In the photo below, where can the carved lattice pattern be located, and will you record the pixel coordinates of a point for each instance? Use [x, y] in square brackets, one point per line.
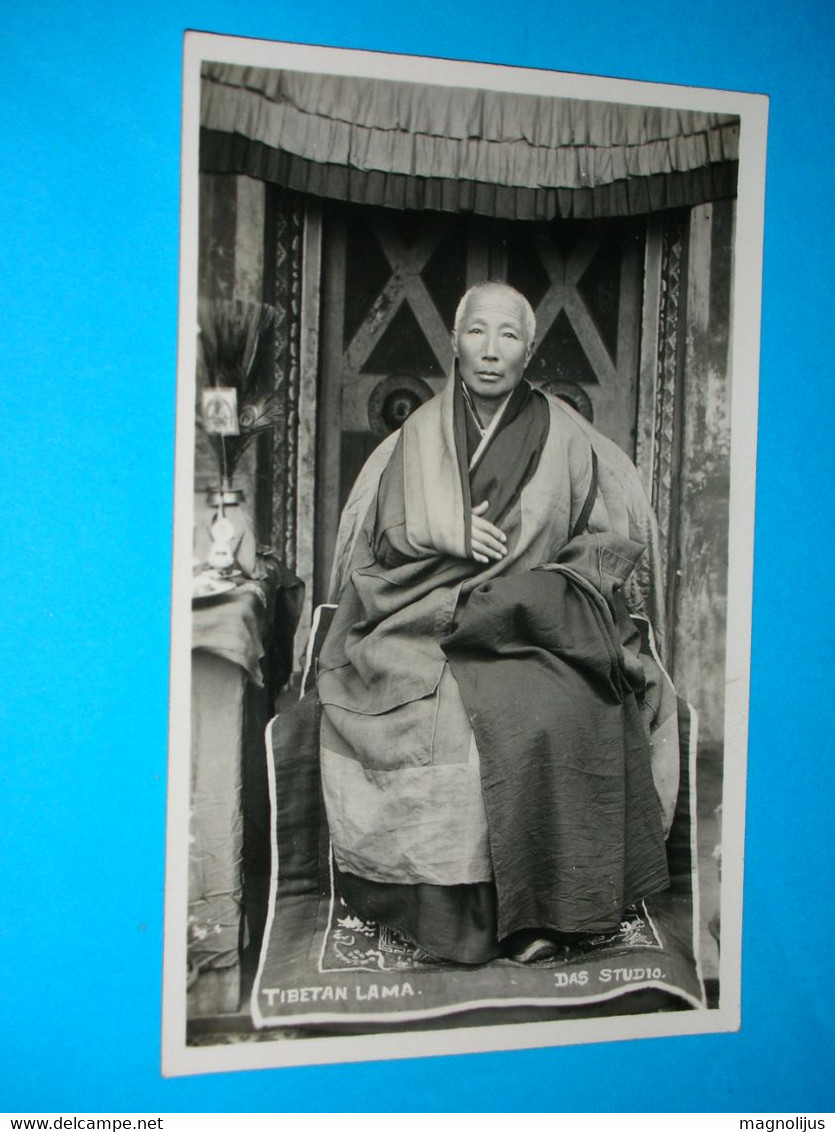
[669, 350]
[287, 303]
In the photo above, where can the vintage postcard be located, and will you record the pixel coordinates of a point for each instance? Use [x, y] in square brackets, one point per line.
[464, 507]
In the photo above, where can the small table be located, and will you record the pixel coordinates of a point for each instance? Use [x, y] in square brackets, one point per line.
[241, 654]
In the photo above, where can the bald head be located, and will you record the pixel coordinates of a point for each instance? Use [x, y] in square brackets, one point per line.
[528, 318]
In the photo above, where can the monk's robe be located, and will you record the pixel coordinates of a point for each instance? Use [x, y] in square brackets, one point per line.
[487, 762]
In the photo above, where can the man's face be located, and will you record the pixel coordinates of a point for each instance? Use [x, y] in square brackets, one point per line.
[491, 343]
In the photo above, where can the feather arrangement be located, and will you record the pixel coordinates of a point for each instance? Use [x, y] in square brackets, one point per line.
[232, 347]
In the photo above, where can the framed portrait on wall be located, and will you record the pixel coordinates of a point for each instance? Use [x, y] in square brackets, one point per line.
[463, 548]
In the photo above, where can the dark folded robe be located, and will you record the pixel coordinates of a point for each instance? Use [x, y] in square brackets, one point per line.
[573, 817]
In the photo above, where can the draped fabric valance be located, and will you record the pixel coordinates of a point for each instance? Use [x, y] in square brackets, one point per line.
[415, 146]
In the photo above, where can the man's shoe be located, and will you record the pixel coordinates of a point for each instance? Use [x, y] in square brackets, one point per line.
[534, 950]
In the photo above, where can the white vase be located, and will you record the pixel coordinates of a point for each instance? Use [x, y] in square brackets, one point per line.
[225, 540]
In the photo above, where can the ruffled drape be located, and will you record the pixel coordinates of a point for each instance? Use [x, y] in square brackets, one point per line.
[415, 146]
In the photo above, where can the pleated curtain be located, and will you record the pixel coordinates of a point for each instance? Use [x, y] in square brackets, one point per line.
[418, 146]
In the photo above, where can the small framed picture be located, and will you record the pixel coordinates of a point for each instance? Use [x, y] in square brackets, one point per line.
[220, 411]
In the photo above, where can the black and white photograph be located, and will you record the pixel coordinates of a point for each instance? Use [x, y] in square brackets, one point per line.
[463, 544]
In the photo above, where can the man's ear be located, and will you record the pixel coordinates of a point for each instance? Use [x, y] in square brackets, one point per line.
[454, 338]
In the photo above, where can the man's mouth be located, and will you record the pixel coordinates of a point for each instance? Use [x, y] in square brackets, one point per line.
[487, 373]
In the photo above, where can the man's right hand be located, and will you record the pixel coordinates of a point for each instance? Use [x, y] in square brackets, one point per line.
[488, 542]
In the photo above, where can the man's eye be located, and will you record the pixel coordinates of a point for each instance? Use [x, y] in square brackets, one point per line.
[510, 334]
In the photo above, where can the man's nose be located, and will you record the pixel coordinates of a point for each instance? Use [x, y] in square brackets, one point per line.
[490, 350]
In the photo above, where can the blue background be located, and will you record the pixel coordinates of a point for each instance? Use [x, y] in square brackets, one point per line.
[89, 137]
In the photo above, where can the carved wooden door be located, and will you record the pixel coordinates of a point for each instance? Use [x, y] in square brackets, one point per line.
[390, 284]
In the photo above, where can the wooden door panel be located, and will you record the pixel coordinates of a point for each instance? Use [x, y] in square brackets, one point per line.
[588, 314]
